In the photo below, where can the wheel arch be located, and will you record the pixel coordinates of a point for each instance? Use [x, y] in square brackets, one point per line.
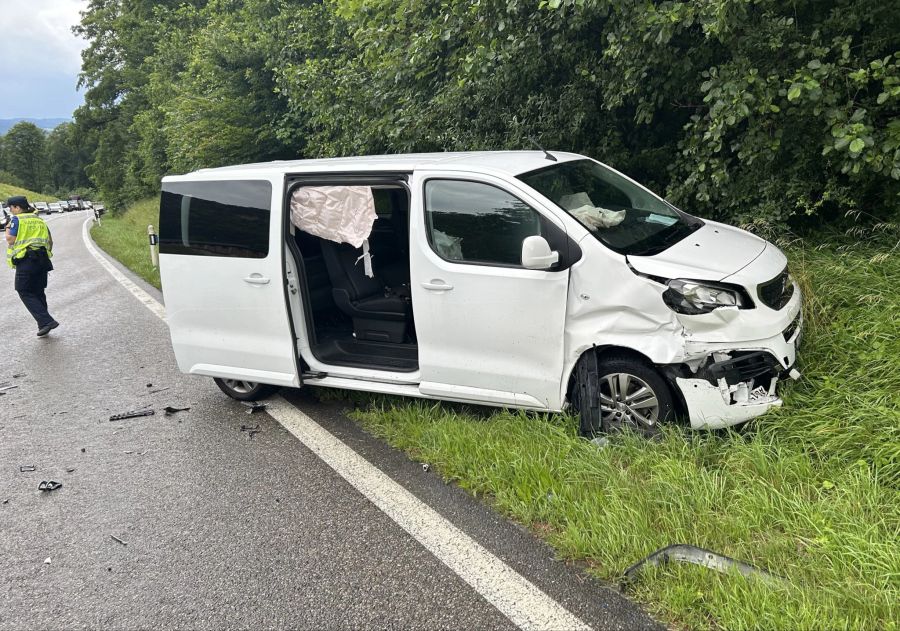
[667, 371]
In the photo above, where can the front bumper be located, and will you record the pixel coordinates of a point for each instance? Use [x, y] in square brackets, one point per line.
[733, 385]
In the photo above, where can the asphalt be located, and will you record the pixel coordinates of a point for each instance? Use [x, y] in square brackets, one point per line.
[185, 521]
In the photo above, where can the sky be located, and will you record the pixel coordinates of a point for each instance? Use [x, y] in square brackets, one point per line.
[40, 58]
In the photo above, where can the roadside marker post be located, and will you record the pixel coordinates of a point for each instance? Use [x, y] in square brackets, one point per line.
[154, 241]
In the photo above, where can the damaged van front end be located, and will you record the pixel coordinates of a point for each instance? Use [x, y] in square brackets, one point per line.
[710, 308]
[740, 331]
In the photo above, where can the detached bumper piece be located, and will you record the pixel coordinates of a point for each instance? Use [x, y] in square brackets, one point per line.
[732, 390]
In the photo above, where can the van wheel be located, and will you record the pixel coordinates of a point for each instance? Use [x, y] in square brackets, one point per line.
[245, 390]
[619, 392]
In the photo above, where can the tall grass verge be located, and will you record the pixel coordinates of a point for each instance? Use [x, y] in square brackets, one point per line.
[809, 492]
[124, 237]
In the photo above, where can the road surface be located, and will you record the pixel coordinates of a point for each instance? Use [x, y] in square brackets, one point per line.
[187, 521]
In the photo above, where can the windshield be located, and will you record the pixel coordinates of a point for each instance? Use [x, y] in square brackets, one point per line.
[621, 214]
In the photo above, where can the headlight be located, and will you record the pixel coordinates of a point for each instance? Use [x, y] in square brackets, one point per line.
[692, 297]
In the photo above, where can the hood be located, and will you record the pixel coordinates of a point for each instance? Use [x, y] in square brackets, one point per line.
[713, 252]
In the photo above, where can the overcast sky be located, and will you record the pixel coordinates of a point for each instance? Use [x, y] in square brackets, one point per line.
[40, 58]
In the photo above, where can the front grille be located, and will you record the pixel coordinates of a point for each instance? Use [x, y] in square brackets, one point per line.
[776, 293]
[744, 366]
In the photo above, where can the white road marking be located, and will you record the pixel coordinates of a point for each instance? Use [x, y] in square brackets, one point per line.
[513, 595]
[148, 301]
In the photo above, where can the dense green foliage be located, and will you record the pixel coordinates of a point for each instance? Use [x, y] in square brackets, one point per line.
[748, 110]
[53, 163]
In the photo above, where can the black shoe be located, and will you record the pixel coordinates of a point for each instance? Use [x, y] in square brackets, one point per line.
[47, 328]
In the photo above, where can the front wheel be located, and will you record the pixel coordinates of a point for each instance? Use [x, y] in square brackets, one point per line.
[619, 392]
[245, 390]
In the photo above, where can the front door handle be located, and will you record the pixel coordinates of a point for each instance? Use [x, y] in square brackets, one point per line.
[437, 285]
[256, 279]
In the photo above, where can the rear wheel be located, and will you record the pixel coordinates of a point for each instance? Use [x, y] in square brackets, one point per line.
[245, 390]
[618, 392]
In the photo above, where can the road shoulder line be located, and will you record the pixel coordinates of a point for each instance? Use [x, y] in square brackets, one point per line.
[526, 606]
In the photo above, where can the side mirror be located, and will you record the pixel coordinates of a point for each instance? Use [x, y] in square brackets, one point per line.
[536, 253]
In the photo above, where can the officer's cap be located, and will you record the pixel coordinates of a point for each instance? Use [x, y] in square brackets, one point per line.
[17, 200]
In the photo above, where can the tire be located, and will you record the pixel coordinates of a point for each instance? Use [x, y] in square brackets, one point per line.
[618, 393]
[245, 390]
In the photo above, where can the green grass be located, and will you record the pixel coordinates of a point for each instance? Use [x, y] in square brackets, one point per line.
[8, 190]
[124, 237]
[809, 492]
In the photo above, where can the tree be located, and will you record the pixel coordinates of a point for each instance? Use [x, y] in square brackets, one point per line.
[23, 149]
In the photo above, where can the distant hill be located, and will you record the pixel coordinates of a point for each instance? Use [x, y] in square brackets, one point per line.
[43, 123]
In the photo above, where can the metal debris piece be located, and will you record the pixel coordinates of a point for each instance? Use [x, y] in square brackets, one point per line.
[158, 390]
[684, 553]
[70, 470]
[129, 452]
[426, 467]
[18, 374]
[47, 561]
[131, 414]
[26, 467]
[149, 385]
[8, 387]
[49, 485]
[255, 406]
[115, 538]
[251, 431]
[169, 410]
[82, 450]
[6, 501]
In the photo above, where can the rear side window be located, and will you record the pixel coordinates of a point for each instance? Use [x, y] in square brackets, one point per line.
[215, 218]
[471, 222]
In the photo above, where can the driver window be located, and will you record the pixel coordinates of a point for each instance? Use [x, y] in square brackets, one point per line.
[471, 222]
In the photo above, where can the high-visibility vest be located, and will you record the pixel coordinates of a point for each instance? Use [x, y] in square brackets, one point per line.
[32, 234]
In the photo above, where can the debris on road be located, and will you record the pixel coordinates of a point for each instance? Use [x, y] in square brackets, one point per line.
[7, 388]
[47, 561]
[6, 501]
[251, 431]
[26, 467]
[426, 467]
[255, 406]
[169, 410]
[158, 390]
[49, 485]
[82, 450]
[70, 470]
[684, 553]
[115, 538]
[131, 414]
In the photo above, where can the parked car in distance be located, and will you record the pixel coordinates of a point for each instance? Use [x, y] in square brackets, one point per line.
[55, 207]
[42, 208]
[88, 205]
[64, 204]
[5, 217]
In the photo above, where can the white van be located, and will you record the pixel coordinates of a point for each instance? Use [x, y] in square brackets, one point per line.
[524, 279]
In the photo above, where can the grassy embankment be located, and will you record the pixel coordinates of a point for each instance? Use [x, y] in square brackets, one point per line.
[810, 492]
[125, 238]
[8, 190]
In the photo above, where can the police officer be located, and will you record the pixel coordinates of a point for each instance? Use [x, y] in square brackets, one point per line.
[29, 248]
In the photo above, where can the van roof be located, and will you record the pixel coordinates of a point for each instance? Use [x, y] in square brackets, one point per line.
[503, 162]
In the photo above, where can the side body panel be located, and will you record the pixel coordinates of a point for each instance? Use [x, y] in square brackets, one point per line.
[494, 335]
[228, 316]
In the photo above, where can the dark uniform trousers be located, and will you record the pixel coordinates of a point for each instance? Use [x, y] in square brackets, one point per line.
[31, 281]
